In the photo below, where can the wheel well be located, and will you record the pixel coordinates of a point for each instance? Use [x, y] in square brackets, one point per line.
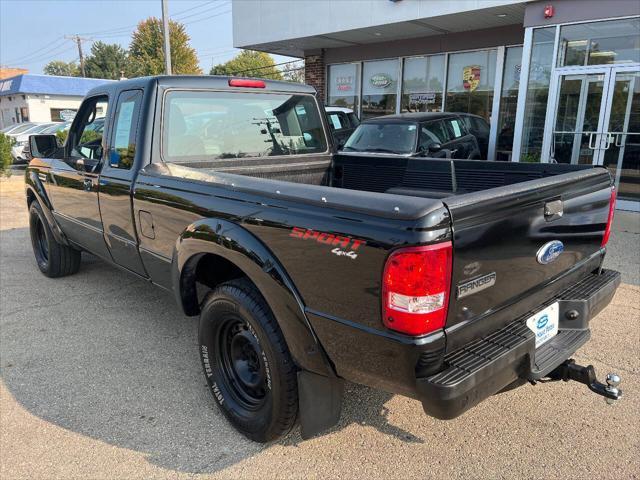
[203, 273]
[30, 197]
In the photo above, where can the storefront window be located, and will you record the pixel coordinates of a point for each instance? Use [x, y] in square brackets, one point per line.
[344, 85]
[379, 87]
[470, 82]
[537, 94]
[422, 84]
[508, 102]
[600, 43]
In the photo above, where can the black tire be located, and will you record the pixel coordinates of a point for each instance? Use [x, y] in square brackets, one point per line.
[53, 258]
[246, 362]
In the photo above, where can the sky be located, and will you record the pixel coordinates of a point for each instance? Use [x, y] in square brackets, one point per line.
[32, 31]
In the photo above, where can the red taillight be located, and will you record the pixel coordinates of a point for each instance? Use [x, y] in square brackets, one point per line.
[243, 82]
[415, 288]
[612, 209]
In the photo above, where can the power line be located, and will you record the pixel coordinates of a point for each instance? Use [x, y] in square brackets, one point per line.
[207, 18]
[265, 67]
[48, 56]
[37, 53]
[215, 7]
[127, 28]
[50, 49]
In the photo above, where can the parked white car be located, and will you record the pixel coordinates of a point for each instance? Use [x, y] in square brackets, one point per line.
[22, 138]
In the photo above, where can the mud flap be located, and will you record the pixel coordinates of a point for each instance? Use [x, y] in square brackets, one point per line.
[320, 401]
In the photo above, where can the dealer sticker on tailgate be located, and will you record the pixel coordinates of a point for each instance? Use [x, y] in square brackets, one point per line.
[544, 324]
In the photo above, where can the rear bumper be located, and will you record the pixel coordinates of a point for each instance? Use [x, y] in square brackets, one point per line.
[486, 366]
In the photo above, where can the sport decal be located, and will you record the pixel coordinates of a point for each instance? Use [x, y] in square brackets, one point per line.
[344, 246]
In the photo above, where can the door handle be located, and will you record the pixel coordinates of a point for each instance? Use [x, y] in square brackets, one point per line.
[608, 140]
[591, 135]
[88, 184]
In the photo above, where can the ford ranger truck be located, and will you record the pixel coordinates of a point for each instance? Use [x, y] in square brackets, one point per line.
[443, 280]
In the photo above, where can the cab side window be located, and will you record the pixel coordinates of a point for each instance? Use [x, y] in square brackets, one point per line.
[432, 132]
[85, 137]
[122, 149]
[481, 126]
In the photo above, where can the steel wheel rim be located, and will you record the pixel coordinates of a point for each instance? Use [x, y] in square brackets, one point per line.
[242, 364]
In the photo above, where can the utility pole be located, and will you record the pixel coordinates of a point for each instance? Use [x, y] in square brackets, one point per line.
[165, 31]
[78, 40]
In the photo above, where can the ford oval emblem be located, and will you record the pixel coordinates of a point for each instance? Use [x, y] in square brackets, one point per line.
[549, 252]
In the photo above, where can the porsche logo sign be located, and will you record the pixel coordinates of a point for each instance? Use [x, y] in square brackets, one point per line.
[471, 77]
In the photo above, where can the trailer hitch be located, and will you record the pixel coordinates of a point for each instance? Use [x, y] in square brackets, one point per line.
[570, 370]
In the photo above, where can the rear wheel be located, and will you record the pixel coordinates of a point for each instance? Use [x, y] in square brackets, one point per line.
[246, 362]
[53, 258]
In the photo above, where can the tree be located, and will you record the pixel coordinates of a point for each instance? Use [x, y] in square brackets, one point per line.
[6, 142]
[146, 53]
[59, 67]
[293, 72]
[106, 61]
[249, 63]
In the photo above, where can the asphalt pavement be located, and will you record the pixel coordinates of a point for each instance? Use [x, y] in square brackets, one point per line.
[100, 378]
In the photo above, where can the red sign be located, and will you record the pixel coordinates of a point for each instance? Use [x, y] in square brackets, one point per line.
[345, 83]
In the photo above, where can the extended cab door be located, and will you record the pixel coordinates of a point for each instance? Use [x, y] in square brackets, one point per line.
[116, 182]
[74, 178]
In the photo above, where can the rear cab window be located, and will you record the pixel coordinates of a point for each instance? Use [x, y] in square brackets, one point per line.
[455, 127]
[199, 126]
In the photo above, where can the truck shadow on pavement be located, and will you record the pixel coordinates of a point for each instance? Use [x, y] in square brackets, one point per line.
[109, 356]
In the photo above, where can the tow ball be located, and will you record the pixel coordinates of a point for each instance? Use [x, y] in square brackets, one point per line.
[569, 370]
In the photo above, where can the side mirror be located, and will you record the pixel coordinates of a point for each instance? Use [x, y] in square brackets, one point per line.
[435, 147]
[44, 146]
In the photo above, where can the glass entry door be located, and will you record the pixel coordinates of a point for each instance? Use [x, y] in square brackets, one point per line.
[577, 135]
[596, 121]
[623, 156]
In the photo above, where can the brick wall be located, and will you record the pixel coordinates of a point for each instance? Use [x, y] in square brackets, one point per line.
[314, 73]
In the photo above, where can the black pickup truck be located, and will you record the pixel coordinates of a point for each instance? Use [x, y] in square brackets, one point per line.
[444, 280]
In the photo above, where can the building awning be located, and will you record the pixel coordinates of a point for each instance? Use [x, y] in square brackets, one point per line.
[263, 32]
[49, 85]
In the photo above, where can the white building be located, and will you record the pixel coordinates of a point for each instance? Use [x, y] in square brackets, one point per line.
[42, 98]
[558, 80]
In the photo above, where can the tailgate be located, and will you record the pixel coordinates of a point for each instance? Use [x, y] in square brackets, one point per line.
[503, 256]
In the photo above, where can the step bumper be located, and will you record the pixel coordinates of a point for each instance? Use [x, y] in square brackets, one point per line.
[488, 365]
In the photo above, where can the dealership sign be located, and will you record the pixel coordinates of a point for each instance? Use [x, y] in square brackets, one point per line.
[344, 83]
[422, 98]
[380, 80]
[68, 115]
[471, 77]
